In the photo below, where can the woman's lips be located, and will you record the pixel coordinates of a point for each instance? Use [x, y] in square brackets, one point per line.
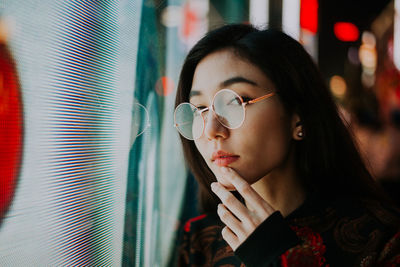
[225, 160]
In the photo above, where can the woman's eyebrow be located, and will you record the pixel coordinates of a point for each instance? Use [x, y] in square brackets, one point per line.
[194, 93]
[226, 83]
[236, 79]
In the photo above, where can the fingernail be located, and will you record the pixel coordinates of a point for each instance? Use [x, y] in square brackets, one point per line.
[213, 186]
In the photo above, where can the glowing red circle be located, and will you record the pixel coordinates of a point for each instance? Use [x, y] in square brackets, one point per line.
[11, 129]
[346, 31]
[165, 86]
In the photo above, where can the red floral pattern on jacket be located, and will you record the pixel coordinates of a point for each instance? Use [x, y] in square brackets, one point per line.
[309, 254]
[359, 233]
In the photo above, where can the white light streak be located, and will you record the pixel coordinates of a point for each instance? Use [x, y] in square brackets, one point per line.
[259, 11]
[291, 17]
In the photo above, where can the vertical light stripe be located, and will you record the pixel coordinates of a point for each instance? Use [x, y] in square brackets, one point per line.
[259, 11]
[396, 34]
[151, 208]
[291, 18]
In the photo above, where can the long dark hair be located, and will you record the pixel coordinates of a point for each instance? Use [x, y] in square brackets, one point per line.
[327, 160]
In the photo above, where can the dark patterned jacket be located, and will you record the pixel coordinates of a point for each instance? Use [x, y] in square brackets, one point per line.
[344, 232]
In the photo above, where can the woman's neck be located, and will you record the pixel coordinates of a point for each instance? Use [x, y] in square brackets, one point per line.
[282, 189]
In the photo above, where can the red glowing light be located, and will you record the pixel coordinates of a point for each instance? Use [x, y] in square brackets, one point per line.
[190, 21]
[309, 15]
[346, 31]
[10, 129]
[165, 86]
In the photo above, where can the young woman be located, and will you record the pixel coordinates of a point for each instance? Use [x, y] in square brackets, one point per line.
[281, 182]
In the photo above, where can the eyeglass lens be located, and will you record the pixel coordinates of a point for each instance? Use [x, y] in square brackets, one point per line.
[227, 107]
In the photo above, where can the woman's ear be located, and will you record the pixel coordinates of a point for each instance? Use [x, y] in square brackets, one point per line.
[297, 128]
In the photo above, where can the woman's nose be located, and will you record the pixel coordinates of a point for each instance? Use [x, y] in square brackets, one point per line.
[213, 129]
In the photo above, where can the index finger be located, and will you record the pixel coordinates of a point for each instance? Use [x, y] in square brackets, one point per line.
[248, 193]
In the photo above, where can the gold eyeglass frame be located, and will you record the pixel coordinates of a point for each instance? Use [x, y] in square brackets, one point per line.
[211, 107]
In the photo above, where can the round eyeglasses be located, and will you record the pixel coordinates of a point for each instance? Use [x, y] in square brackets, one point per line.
[227, 106]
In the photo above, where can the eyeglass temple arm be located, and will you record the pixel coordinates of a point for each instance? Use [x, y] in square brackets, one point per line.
[261, 98]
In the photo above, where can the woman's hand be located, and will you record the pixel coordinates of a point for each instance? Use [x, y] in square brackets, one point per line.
[238, 228]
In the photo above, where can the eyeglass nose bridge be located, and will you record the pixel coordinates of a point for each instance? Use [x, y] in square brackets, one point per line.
[214, 114]
[205, 120]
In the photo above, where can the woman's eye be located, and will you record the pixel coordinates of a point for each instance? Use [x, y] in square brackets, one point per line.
[245, 98]
[234, 101]
[238, 101]
[199, 106]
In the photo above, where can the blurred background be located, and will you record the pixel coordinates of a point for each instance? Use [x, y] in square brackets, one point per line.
[91, 167]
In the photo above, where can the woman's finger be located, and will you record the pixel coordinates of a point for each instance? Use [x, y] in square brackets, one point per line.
[231, 221]
[249, 194]
[230, 237]
[231, 202]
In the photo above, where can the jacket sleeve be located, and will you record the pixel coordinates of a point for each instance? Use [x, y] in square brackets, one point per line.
[268, 242]
[390, 255]
[184, 249]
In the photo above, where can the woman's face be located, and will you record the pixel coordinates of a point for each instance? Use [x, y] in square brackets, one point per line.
[261, 146]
